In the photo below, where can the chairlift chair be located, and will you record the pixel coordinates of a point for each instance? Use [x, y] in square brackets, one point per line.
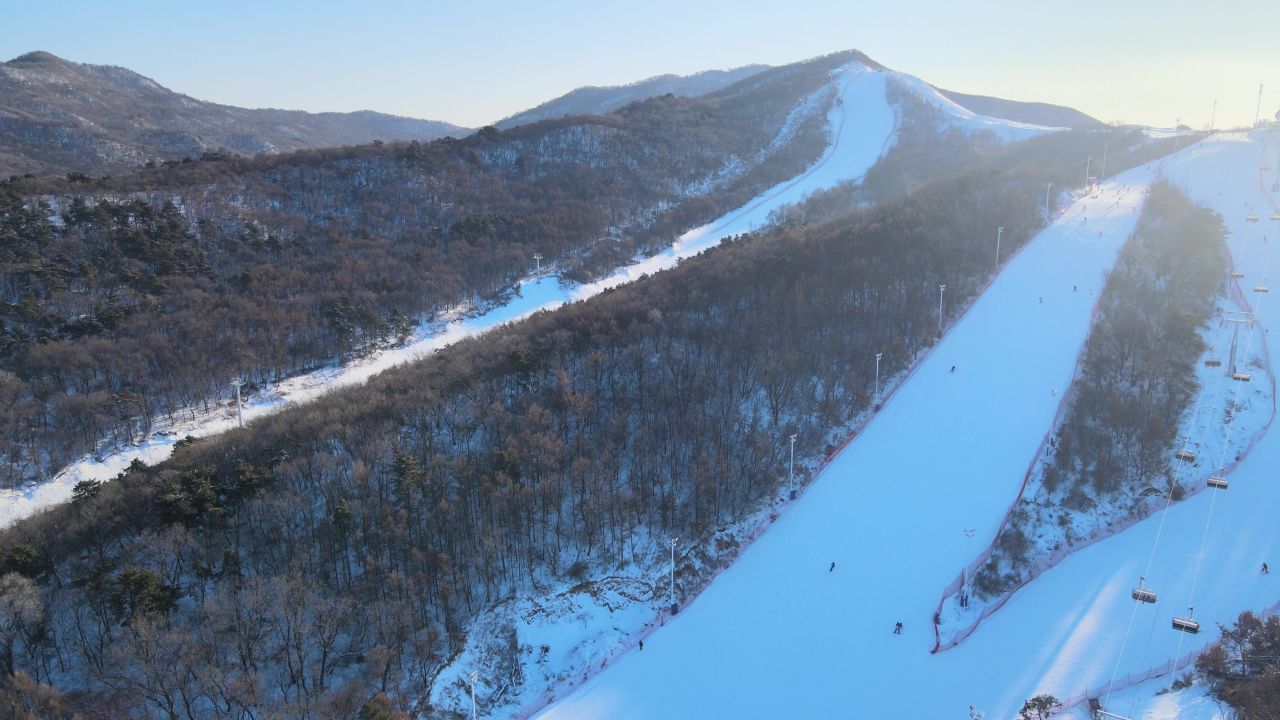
[1236, 274]
[1275, 217]
[1185, 456]
[1144, 594]
[1219, 481]
[1213, 362]
[1251, 218]
[1241, 376]
[1187, 624]
[1261, 288]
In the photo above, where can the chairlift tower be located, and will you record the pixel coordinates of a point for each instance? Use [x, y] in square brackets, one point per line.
[1258, 112]
[1245, 318]
[537, 257]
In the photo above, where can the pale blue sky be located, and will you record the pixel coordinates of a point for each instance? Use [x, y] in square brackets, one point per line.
[474, 62]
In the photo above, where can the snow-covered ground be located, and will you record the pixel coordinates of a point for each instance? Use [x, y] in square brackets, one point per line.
[862, 125]
[776, 635]
[1247, 409]
[965, 119]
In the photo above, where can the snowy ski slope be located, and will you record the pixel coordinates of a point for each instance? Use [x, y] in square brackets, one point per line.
[862, 125]
[776, 635]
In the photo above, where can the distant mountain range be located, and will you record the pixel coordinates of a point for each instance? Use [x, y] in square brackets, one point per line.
[58, 116]
[593, 100]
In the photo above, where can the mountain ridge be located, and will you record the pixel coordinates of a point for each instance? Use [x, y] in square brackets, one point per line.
[59, 116]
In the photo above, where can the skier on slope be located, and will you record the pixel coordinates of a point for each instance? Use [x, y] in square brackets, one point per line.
[1265, 569]
[833, 566]
[897, 628]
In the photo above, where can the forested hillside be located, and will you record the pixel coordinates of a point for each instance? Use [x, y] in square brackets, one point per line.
[362, 532]
[134, 296]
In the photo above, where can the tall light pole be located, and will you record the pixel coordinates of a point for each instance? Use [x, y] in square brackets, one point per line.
[999, 232]
[1087, 164]
[877, 397]
[474, 677]
[1177, 133]
[673, 574]
[1258, 112]
[1103, 174]
[1214, 117]
[236, 383]
[537, 257]
[791, 467]
[941, 289]
[1047, 188]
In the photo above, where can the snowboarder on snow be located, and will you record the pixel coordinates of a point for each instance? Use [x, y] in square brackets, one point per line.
[953, 369]
[833, 566]
[897, 628]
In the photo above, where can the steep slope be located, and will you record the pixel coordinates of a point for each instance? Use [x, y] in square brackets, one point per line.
[1035, 113]
[821, 644]
[594, 100]
[58, 116]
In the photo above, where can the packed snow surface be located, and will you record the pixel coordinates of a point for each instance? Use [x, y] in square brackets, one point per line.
[777, 635]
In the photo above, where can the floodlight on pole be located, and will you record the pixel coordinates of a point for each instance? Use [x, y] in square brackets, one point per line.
[877, 395]
[1213, 118]
[1102, 174]
[999, 232]
[1047, 188]
[1088, 163]
[672, 596]
[791, 467]
[1258, 112]
[236, 383]
[942, 288]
